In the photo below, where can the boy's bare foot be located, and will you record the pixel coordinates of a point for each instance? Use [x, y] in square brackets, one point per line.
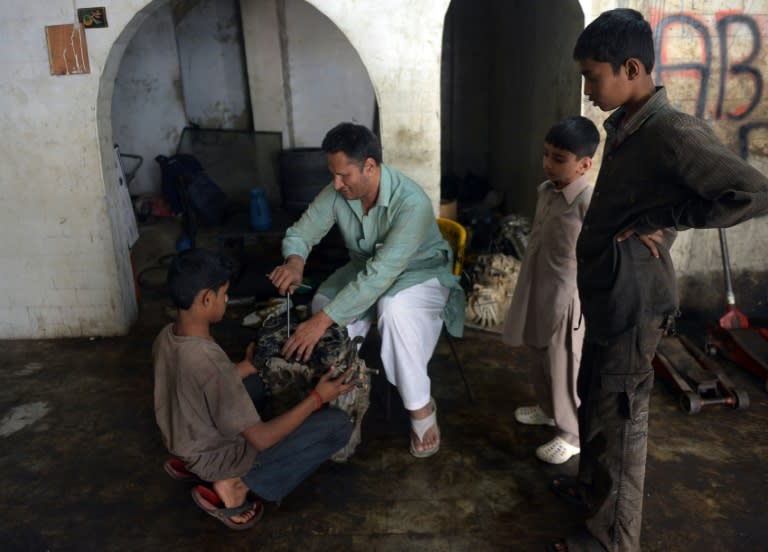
[233, 493]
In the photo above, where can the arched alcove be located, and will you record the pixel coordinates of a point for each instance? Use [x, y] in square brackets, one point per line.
[268, 66]
[507, 76]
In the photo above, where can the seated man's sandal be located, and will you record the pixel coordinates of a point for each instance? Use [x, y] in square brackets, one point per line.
[420, 428]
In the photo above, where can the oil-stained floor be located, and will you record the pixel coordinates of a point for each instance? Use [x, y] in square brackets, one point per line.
[81, 462]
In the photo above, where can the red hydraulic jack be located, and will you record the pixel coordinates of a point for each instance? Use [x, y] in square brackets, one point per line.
[733, 337]
[698, 378]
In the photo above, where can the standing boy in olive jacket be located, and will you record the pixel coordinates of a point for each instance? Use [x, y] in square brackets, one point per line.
[661, 169]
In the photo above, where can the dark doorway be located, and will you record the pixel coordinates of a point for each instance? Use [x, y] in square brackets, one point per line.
[507, 76]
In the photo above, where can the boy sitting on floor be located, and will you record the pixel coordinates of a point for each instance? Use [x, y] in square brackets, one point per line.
[205, 405]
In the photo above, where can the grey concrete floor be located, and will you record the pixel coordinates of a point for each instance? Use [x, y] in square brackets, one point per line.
[83, 470]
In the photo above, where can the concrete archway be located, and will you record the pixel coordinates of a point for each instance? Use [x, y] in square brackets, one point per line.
[284, 43]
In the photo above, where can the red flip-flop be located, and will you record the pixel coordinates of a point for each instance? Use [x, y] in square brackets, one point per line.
[210, 503]
[178, 471]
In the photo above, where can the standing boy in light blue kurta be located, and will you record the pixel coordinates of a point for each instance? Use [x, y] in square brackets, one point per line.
[400, 270]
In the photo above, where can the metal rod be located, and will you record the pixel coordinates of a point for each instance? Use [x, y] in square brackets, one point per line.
[288, 311]
[729, 295]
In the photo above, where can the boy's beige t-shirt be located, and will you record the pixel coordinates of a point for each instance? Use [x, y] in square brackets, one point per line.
[201, 406]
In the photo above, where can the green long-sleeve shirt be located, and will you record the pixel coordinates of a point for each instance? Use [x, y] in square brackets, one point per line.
[395, 246]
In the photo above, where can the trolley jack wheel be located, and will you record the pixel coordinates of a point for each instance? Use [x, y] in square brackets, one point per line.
[690, 403]
[742, 399]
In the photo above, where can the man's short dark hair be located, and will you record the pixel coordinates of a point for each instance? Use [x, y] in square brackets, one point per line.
[614, 37]
[357, 142]
[195, 270]
[576, 134]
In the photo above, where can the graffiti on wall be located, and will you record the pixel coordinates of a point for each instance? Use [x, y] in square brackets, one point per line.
[685, 49]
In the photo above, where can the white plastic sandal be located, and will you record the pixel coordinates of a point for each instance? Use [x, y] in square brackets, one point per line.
[556, 451]
[533, 415]
[420, 428]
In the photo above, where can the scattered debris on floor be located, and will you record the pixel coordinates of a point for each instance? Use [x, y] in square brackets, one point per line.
[494, 274]
[22, 416]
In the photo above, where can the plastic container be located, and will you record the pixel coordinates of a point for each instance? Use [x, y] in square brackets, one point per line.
[183, 243]
[261, 219]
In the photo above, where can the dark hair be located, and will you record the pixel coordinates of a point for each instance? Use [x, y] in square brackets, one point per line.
[195, 270]
[355, 141]
[614, 37]
[576, 134]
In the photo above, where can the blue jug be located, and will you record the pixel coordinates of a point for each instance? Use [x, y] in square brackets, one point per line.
[261, 220]
[183, 243]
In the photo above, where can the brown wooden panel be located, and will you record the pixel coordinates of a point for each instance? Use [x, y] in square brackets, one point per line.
[67, 49]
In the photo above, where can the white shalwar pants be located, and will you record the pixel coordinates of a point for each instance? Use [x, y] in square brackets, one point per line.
[409, 323]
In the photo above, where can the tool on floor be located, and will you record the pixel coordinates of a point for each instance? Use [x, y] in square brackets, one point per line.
[733, 337]
[699, 379]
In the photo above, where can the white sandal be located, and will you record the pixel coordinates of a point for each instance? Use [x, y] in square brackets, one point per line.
[557, 451]
[420, 428]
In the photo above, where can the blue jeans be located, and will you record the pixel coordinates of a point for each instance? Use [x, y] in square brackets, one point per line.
[280, 468]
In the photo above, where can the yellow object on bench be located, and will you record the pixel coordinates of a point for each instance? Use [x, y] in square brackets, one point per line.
[456, 236]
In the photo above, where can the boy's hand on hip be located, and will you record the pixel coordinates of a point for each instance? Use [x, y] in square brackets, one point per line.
[649, 240]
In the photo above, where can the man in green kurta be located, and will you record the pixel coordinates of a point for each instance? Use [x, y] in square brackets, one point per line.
[400, 271]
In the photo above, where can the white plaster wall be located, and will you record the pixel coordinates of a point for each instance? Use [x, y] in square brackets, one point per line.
[213, 65]
[400, 42]
[328, 82]
[305, 76]
[147, 106]
[264, 62]
[58, 265]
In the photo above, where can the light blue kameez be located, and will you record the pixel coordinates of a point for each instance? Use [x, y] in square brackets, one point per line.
[395, 246]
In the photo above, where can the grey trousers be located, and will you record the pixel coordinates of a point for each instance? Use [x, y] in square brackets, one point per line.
[615, 382]
[553, 375]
